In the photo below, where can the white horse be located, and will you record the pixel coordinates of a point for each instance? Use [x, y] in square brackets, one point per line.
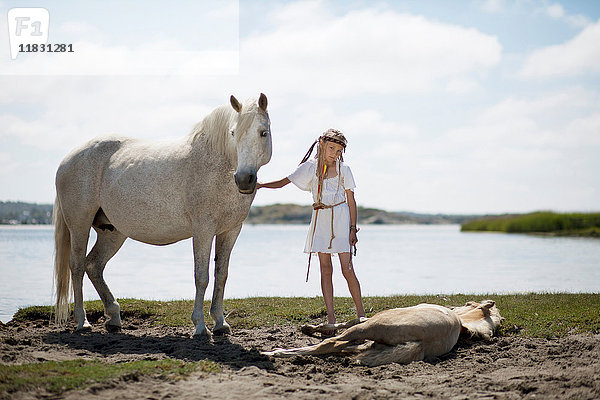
[200, 186]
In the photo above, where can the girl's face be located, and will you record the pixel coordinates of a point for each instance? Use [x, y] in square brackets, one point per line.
[332, 152]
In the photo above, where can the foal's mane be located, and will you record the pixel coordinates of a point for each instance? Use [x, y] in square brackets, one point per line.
[215, 129]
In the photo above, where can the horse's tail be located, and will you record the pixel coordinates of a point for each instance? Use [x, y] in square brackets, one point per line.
[62, 270]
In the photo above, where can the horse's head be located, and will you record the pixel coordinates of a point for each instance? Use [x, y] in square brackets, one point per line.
[252, 136]
[479, 319]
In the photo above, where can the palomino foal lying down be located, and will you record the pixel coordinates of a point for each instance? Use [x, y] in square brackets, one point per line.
[406, 334]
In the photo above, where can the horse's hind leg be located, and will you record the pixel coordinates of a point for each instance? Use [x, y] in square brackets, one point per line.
[107, 245]
[223, 246]
[79, 240]
[202, 243]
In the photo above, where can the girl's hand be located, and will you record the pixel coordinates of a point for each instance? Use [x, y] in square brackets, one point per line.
[353, 237]
[258, 185]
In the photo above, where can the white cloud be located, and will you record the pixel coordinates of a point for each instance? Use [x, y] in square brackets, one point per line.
[516, 155]
[577, 56]
[63, 112]
[493, 6]
[527, 151]
[557, 11]
[314, 52]
[7, 165]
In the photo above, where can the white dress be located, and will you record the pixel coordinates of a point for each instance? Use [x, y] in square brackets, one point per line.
[334, 191]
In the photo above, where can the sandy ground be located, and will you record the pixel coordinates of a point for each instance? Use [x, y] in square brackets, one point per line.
[504, 368]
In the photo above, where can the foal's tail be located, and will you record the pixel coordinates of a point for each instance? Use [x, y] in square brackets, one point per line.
[62, 270]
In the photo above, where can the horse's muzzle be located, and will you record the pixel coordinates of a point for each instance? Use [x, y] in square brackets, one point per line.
[246, 180]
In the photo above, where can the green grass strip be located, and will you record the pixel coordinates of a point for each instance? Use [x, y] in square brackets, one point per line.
[533, 314]
[58, 377]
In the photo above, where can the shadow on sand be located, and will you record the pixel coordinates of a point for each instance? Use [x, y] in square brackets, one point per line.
[218, 349]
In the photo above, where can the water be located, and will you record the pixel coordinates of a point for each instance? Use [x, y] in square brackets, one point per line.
[268, 261]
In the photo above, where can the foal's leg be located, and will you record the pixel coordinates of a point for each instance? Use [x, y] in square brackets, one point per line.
[223, 246]
[79, 240]
[107, 244]
[202, 243]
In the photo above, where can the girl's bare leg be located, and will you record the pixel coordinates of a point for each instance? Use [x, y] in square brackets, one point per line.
[352, 280]
[327, 284]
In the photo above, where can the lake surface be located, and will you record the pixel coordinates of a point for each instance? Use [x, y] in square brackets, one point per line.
[268, 261]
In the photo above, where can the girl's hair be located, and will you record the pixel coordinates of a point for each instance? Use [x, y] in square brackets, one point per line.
[330, 135]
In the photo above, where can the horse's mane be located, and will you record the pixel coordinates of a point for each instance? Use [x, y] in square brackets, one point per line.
[215, 129]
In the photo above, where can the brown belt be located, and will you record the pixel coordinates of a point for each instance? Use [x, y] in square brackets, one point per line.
[320, 206]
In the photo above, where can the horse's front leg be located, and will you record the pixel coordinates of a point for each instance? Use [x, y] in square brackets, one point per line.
[202, 244]
[223, 246]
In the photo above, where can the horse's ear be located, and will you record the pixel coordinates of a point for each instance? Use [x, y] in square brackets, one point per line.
[235, 104]
[488, 304]
[262, 102]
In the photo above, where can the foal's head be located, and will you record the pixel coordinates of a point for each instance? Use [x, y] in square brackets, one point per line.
[252, 134]
[479, 319]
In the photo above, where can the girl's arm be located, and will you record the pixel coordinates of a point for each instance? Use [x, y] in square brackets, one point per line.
[353, 216]
[273, 185]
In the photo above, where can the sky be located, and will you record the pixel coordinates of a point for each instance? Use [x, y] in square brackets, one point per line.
[474, 106]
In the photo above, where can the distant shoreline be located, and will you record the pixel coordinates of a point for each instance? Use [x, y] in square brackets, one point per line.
[538, 223]
[21, 213]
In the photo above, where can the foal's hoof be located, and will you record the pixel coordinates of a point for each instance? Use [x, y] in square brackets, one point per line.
[113, 328]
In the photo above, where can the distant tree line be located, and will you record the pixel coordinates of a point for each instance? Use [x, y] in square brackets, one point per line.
[25, 213]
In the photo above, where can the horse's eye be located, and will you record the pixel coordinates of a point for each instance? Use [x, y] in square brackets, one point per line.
[264, 133]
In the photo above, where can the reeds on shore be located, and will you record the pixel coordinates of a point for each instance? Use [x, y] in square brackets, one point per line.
[542, 222]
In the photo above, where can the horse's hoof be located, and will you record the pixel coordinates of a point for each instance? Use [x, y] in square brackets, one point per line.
[85, 327]
[113, 328]
[204, 335]
[222, 330]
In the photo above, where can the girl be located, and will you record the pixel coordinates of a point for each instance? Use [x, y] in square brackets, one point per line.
[333, 224]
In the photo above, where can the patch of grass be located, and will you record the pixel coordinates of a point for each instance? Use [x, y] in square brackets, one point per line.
[33, 313]
[58, 377]
[130, 308]
[571, 224]
[533, 314]
[549, 314]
